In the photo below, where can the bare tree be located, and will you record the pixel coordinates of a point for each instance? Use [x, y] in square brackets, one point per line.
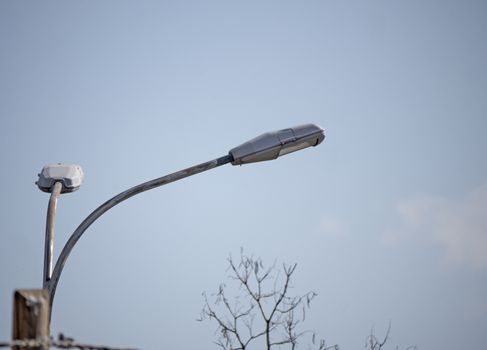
[373, 343]
[263, 310]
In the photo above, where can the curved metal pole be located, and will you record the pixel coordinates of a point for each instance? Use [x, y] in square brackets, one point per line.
[49, 241]
[51, 286]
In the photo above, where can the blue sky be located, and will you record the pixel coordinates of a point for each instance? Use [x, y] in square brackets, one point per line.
[386, 219]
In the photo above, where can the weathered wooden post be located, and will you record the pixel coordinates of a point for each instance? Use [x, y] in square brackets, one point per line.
[31, 316]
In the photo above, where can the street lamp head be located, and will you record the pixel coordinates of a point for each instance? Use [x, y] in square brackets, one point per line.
[70, 175]
[271, 145]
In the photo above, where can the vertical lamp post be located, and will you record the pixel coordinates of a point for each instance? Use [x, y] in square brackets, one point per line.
[59, 178]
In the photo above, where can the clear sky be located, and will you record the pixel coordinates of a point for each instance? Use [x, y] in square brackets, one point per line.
[387, 219]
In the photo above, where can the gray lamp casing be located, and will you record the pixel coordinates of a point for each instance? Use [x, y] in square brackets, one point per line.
[277, 143]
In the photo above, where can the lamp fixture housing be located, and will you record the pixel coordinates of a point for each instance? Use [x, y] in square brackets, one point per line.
[274, 144]
[70, 175]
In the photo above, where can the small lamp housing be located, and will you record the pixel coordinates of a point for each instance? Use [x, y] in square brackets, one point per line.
[70, 175]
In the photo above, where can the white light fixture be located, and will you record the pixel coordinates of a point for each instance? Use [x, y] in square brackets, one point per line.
[70, 175]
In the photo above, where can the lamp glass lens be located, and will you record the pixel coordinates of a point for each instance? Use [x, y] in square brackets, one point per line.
[294, 147]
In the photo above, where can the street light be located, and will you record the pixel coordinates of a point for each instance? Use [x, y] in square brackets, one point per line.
[274, 144]
[56, 179]
[70, 176]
